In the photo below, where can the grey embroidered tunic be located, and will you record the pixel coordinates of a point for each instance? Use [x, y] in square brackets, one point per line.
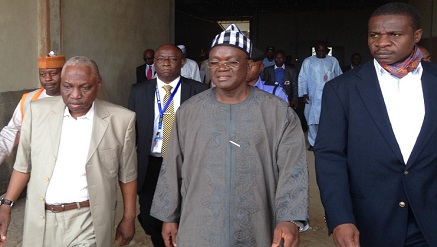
[232, 172]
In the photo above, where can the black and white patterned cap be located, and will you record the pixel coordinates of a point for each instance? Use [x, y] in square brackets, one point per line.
[232, 36]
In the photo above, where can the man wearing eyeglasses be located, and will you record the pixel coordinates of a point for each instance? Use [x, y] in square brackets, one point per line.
[147, 70]
[235, 171]
[149, 101]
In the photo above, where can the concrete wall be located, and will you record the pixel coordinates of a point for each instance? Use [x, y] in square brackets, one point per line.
[115, 33]
[18, 46]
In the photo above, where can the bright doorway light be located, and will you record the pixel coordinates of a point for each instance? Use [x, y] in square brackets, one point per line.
[244, 26]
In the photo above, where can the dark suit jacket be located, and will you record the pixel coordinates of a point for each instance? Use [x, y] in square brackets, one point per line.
[141, 73]
[142, 102]
[360, 170]
[290, 75]
[346, 68]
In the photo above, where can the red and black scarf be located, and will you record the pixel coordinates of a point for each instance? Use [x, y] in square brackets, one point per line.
[401, 69]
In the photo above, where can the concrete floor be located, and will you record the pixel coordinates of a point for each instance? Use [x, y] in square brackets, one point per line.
[316, 236]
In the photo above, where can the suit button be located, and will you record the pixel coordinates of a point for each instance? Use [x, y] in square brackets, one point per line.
[402, 204]
[47, 179]
[42, 217]
[42, 199]
[405, 173]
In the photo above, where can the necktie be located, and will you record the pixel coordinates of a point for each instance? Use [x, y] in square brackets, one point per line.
[167, 119]
[149, 73]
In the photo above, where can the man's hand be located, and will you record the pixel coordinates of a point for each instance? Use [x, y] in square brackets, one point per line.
[169, 233]
[125, 231]
[287, 231]
[346, 235]
[306, 98]
[5, 219]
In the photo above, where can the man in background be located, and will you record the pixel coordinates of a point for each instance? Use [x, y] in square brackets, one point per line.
[284, 76]
[355, 62]
[154, 122]
[269, 59]
[49, 69]
[147, 70]
[190, 69]
[314, 73]
[254, 79]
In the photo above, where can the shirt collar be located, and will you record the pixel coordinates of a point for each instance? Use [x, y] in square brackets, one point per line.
[89, 115]
[258, 83]
[173, 84]
[283, 66]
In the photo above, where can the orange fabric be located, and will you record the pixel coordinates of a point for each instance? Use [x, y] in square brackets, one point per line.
[24, 97]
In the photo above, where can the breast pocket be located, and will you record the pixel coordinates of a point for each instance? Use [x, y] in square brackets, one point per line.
[109, 161]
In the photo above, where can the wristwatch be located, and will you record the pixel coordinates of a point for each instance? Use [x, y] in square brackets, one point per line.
[298, 224]
[6, 202]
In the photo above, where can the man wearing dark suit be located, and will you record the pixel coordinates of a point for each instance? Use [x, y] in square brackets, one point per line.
[143, 100]
[283, 75]
[355, 63]
[147, 70]
[375, 151]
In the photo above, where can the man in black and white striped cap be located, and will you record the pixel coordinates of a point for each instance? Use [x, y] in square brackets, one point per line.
[232, 36]
[235, 155]
[229, 61]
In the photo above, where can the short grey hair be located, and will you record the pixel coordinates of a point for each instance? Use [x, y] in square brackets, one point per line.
[83, 61]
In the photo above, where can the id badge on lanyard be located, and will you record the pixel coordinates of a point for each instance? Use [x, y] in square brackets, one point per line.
[157, 140]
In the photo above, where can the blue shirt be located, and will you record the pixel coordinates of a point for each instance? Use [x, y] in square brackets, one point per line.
[270, 88]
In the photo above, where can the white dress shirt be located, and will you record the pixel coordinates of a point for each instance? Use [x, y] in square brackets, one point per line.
[68, 182]
[405, 105]
[176, 103]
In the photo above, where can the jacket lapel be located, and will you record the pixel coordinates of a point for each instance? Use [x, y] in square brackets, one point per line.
[99, 127]
[185, 90]
[429, 88]
[55, 124]
[149, 99]
[371, 94]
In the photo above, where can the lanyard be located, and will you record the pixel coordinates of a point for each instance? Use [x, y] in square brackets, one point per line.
[158, 99]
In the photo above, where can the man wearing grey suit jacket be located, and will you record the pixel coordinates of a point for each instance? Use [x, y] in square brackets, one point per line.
[72, 154]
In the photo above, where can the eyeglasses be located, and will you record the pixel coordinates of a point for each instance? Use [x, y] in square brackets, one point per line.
[170, 59]
[227, 64]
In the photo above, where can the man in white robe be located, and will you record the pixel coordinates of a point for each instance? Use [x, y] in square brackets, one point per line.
[314, 73]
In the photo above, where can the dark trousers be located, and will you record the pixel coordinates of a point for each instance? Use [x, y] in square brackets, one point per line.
[414, 234]
[151, 225]
[300, 113]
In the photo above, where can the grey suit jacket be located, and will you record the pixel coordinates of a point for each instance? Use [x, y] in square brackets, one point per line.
[111, 158]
